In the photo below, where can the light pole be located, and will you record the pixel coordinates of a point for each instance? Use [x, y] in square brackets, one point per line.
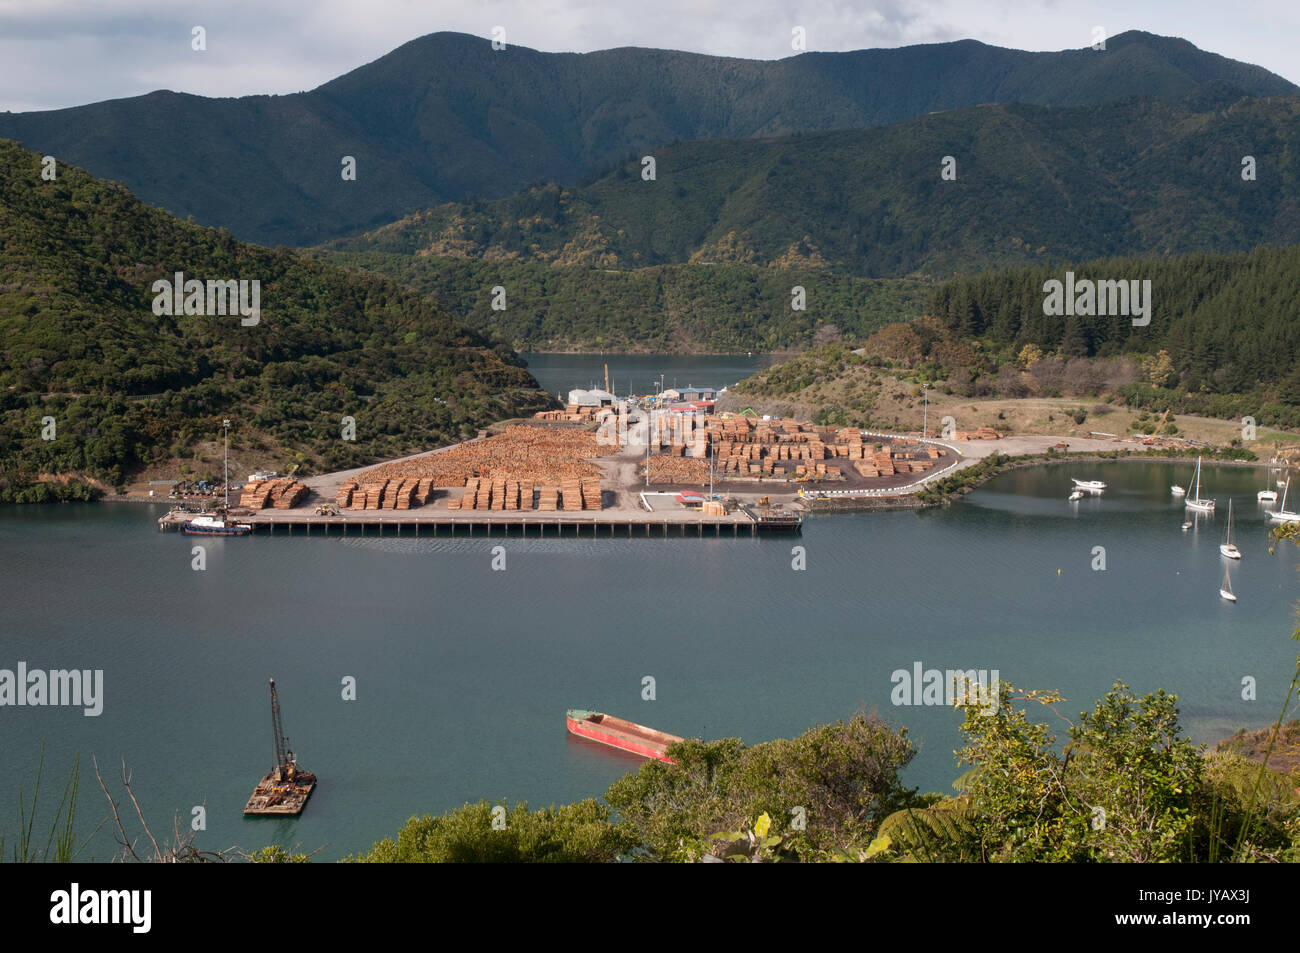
[225, 425]
[925, 412]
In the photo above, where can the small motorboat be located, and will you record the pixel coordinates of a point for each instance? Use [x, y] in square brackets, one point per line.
[1095, 486]
[1076, 494]
[1266, 496]
[619, 733]
[1177, 490]
[1187, 526]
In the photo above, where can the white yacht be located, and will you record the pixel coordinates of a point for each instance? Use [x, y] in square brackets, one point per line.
[1281, 515]
[1228, 547]
[1226, 589]
[1266, 495]
[1196, 503]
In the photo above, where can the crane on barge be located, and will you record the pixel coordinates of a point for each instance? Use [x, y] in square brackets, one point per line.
[285, 788]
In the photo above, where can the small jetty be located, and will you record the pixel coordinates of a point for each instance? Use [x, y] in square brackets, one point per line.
[286, 787]
[621, 734]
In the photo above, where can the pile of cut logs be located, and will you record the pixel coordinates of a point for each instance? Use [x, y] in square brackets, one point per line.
[268, 494]
[524, 452]
[501, 492]
[399, 494]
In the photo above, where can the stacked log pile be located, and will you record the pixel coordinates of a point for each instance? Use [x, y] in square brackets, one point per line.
[544, 455]
[571, 494]
[498, 473]
[267, 494]
[681, 471]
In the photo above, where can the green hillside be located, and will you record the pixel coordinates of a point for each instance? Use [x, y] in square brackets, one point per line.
[1223, 341]
[1230, 323]
[1034, 184]
[678, 308]
[445, 116]
[127, 388]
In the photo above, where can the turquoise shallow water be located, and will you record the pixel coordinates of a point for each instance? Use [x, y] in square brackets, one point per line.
[463, 674]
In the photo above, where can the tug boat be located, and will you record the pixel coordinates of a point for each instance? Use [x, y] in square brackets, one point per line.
[620, 733]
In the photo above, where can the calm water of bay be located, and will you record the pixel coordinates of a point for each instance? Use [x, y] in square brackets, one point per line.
[640, 373]
[464, 674]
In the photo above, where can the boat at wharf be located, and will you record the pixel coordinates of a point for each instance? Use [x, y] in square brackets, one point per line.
[620, 733]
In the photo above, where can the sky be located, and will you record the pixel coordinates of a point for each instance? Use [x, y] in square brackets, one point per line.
[57, 53]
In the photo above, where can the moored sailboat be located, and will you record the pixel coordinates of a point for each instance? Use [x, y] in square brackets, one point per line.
[1266, 495]
[1226, 589]
[1196, 503]
[1281, 514]
[1228, 547]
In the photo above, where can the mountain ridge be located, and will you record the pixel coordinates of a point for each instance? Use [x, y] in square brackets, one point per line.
[443, 116]
[1134, 176]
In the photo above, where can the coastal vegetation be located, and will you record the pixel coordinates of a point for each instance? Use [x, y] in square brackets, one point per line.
[1220, 344]
[1121, 785]
[95, 387]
